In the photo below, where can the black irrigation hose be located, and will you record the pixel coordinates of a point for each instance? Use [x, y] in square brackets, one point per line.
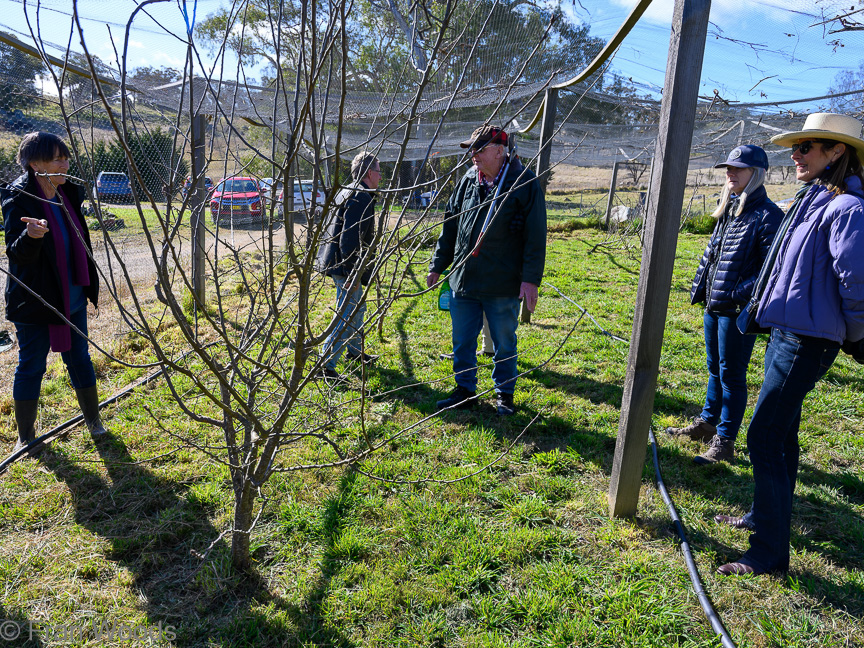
[704, 601]
[50, 434]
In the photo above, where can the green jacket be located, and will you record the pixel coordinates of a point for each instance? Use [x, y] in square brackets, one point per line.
[513, 249]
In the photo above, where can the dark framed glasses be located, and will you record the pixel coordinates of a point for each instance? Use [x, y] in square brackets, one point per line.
[806, 147]
[803, 147]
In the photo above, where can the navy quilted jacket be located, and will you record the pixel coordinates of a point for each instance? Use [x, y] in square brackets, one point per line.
[738, 246]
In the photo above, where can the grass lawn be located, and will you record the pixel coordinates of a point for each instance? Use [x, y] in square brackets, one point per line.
[519, 553]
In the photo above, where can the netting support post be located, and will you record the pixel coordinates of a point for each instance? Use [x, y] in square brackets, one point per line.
[669, 176]
[197, 205]
[544, 156]
[547, 128]
[611, 197]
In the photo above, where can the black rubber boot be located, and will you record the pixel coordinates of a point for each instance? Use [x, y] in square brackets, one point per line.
[26, 412]
[88, 400]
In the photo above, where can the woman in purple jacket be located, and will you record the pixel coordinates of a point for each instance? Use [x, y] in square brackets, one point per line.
[810, 295]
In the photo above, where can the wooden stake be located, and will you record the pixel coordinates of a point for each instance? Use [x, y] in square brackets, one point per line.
[669, 175]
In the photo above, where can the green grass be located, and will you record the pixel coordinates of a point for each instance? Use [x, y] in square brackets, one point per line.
[523, 553]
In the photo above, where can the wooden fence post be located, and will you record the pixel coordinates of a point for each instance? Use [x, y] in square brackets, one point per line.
[669, 175]
[198, 204]
[611, 196]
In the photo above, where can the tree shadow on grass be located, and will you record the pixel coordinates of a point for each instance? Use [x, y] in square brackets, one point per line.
[157, 532]
[18, 630]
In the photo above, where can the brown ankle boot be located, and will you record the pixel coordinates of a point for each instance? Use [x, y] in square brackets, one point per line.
[698, 430]
[721, 449]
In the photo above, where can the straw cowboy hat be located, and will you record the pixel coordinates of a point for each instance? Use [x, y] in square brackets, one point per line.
[832, 126]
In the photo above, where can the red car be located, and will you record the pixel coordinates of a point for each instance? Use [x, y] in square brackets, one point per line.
[238, 201]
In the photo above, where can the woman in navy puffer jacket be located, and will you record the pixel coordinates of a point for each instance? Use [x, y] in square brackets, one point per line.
[746, 225]
[810, 293]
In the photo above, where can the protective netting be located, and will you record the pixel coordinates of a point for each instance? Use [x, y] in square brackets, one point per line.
[489, 63]
[289, 87]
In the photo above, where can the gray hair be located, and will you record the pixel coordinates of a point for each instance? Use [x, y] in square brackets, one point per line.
[756, 181]
[41, 147]
[361, 164]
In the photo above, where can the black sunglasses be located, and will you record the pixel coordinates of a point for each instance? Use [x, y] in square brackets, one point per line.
[806, 147]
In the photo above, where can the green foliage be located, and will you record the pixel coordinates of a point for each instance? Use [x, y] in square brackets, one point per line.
[18, 72]
[520, 551]
[9, 168]
[161, 166]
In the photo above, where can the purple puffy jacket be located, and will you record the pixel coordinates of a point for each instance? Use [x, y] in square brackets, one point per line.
[816, 287]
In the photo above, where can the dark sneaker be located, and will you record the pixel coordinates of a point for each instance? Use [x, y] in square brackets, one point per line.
[328, 375]
[721, 449]
[698, 430]
[735, 522]
[365, 358]
[504, 404]
[459, 398]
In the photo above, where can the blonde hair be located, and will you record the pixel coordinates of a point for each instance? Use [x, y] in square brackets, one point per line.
[756, 181]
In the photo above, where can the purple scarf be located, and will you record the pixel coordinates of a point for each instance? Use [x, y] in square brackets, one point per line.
[60, 335]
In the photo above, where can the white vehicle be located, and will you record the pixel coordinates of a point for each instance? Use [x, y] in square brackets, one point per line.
[303, 198]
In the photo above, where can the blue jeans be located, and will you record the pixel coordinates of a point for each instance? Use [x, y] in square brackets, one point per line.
[728, 352]
[349, 329]
[33, 346]
[793, 366]
[502, 313]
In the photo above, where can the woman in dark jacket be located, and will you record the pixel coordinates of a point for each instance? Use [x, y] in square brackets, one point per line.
[810, 293]
[51, 278]
[747, 223]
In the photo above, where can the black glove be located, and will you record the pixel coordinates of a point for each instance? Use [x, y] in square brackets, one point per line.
[855, 349]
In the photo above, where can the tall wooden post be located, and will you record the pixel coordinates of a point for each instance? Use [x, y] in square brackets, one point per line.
[547, 127]
[544, 157]
[198, 203]
[669, 174]
[611, 198]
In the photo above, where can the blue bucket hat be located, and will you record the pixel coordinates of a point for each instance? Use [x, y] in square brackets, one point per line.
[745, 156]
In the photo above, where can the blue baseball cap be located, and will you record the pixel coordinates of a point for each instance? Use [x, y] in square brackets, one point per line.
[745, 156]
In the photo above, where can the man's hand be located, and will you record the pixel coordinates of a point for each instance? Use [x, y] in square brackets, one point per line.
[529, 292]
[36, 227]
[432, 279]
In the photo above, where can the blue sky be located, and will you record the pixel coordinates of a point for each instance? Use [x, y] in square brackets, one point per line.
[779, 53]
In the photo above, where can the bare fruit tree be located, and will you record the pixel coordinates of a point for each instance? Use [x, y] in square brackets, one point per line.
[240, 336]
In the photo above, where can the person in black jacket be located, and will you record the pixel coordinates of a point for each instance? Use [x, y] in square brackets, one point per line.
[746, 226]
[346, 256]
[494, 241]
[51, 278]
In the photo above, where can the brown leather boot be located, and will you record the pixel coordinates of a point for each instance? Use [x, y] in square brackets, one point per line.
[698, 430]
[721, 449]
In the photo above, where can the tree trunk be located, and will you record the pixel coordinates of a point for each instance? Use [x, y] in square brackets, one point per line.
[240, 535]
